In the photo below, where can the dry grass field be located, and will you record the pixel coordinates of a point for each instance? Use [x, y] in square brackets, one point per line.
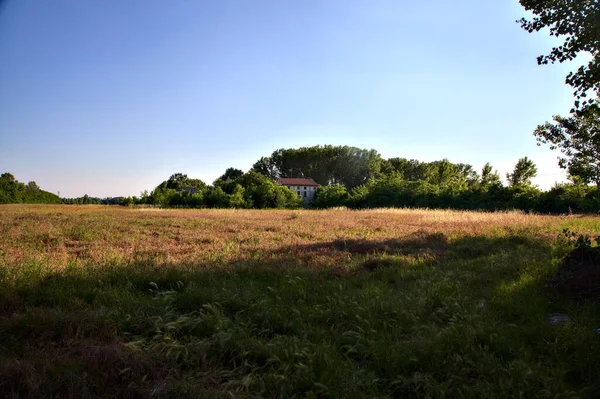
[118, 302]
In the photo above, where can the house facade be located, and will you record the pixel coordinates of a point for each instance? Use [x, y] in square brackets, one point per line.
[305, 188]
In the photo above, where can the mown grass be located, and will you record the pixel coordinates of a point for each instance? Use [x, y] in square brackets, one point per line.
[387, 303]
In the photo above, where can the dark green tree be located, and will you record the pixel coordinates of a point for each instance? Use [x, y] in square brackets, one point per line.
[489, 177]
[524, 171]
[231, 174]
[32, 186]
[217, 198]
[178, 181]
[237, 199]
[578, 138]
[411, 170]
[14, 192]
[327, 165]
[331, 196]
[266, 167]
[578, 22]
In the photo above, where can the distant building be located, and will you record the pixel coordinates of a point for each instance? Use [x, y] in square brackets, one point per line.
[189, 189]
[305, 188]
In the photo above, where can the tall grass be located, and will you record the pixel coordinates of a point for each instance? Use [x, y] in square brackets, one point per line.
[383, 303]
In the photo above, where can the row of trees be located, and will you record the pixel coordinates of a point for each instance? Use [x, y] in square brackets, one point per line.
[441, 184]
[352, 167]
[327, 165]
[394, 182]
[235, 189]
[393, 191]
[14, 192]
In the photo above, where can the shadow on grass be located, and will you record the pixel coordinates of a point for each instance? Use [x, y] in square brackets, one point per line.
[421, 316]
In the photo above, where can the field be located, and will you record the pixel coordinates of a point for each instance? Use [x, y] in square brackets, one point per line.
[118, 302]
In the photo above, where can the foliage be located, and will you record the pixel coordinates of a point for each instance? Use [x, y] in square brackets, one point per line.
[578, 138]
[327, 197]
[524, 171]
[231, 174]
[327, 165]
[489, 177]
[575, 239]
[232, 190]
[578, 22]
[237, 197]
[395, 182]
[399, 183]
[180, 181]
[217, 198]
[14, 192]
[266, 167]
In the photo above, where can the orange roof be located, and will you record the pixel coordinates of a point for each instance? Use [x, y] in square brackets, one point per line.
[296, 181]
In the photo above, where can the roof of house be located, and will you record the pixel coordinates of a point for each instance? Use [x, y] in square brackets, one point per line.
[296, 181]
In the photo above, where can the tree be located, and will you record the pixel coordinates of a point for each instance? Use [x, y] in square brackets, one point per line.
[266, 167]
[489, 177]
[217, 198]
[331, 196]
[177, 180]
[231, 174]
[237, 199]
[411, 170]
[579, 22]
[467, 174]
[327, 165]
[578, 138]
[8, 177]
[524, 171]
[14, 192]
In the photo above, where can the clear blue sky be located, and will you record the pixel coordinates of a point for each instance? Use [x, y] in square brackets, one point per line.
[111, 97]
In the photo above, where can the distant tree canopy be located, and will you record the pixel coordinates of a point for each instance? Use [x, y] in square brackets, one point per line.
[231, 174]
[361, 179]
[234, 189]
[394, 182]
[524, 171]
[179, 181]
[358, 179]
[14, 192]
[578, 21]
[489, 177]
[327, 165]
[578, 138]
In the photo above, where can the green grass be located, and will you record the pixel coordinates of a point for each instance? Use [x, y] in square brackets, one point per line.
[441, 316]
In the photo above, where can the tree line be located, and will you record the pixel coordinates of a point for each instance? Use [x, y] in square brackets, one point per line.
[234, 189]
[14, 192]
[359, 178]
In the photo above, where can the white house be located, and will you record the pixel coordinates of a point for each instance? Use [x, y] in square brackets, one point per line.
[305, 188]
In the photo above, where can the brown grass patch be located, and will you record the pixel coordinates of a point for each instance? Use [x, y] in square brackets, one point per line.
[57, 235]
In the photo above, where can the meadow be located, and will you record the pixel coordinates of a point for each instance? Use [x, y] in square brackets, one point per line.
[99, 301]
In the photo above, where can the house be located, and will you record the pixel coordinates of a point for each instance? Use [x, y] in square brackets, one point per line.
[189, 189]
[305, 188]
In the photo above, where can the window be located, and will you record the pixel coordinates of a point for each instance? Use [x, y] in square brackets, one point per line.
[305, 187]
[305, 194]
[298, 192]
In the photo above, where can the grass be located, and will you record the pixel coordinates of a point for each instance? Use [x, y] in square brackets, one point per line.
[116, 302]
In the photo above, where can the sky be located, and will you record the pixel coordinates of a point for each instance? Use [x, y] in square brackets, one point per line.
[111, 97]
